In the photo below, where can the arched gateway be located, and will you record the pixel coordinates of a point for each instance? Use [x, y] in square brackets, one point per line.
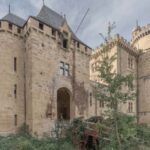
[63, 104]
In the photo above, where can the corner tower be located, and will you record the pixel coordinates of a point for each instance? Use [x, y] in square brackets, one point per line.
[11, 74]
[141, 37]
[141, 40]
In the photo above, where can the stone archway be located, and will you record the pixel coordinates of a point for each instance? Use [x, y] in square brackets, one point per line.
[63, 104]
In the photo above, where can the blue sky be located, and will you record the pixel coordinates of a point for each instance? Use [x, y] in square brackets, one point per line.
[123, 12]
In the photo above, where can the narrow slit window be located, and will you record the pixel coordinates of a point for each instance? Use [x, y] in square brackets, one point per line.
[90, 99]
[15, 64]
[15, 120]
[15, 91]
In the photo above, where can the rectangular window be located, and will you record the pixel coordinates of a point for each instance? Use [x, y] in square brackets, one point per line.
[101, 104]
[19, 30]
[130, 62]
[65, 40]
[53, 32]
[78, 45]
[15, 120]
[15, 91]
[10, 26]
[64, 69]
[15, 64]
[130, 107]
[0, 24]
[85, 49]
[41, 26]
[65, 43]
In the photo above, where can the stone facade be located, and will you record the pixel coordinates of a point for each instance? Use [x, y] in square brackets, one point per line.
[32, 75]
[47, 73]
[138, 52]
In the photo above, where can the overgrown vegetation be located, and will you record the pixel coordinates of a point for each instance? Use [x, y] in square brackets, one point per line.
[124, 133]
[24, 141]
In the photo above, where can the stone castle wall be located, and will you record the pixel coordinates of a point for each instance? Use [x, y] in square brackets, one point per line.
[44, 54]
[11, 81]
[123, 51]
[143, 87]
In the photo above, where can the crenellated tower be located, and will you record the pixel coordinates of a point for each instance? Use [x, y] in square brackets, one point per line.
[141, 37]
[141, 40]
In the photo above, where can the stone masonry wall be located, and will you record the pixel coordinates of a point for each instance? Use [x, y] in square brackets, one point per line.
[44, 54]
[11, 107]
[144, 86]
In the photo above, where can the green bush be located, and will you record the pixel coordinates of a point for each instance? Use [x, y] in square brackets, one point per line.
[25, 145]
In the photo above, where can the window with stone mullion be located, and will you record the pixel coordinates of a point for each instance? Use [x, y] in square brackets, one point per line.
[64, 69]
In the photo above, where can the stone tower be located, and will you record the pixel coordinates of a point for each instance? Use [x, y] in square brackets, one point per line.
[12, 73]
[125, 52]
[45, 73]
[141, 40]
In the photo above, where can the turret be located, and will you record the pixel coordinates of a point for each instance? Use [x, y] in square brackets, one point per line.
[141, 37]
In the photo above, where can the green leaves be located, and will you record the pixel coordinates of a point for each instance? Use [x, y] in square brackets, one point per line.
[115, 90]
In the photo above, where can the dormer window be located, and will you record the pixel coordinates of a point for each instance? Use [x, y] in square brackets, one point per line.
[53, 32]
[65, 40]
[41, 26]
[10, 26]
[65, 43]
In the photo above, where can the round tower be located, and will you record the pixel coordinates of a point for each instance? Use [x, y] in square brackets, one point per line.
[141, 37]
[141, 40]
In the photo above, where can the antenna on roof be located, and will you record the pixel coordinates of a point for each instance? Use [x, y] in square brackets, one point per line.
[111, 26]
[82, 19]
[137, 23]
[9, 9]
[65, 16]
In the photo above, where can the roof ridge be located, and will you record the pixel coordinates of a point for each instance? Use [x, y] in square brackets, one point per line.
[53, 11]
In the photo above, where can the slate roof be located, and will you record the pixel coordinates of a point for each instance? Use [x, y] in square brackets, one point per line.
[48, 16]
[14, 19]
[52, 18]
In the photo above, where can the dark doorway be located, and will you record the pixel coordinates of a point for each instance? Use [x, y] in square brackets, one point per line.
[63, 104]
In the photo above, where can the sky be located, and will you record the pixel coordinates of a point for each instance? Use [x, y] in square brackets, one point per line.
[123, 12]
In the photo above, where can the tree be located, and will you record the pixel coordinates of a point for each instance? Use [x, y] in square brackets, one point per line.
[124, 132]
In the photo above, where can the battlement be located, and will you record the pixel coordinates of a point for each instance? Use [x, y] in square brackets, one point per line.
[139, 33]
[116, 40]
[13, 29]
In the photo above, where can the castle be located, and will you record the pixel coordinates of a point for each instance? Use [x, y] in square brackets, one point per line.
[48, 73]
